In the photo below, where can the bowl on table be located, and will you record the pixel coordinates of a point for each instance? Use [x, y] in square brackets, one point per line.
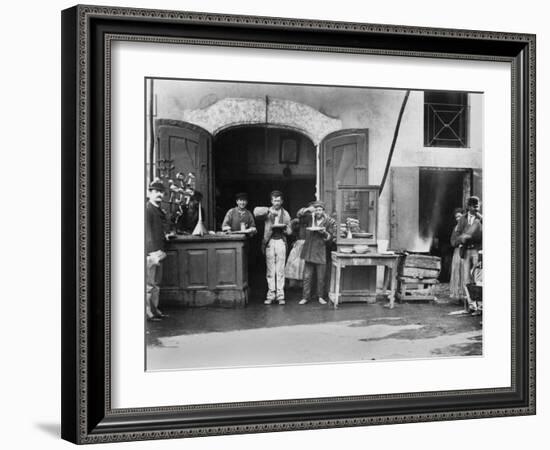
[361, 235]
[360, 248]
[346, 250]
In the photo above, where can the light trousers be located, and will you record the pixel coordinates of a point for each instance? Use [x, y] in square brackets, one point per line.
[275, 255]
[469, 261]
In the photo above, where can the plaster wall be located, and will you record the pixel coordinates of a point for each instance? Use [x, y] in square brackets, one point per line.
[319, 110]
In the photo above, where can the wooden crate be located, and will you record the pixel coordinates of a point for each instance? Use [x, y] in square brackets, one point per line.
[418, 276]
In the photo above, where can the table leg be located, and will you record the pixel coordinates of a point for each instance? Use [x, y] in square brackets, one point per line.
[386, 284]
[337, 286]
[393, 284]
[332, 275]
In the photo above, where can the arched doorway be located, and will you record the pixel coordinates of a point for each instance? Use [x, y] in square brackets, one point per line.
[230, 148]
[257, 159]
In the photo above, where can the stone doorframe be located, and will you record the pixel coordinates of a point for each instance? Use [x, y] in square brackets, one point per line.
[230, 112]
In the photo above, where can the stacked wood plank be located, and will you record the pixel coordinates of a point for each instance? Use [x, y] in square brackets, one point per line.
[417, 278]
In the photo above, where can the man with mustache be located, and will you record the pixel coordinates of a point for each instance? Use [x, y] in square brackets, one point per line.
[156, 226]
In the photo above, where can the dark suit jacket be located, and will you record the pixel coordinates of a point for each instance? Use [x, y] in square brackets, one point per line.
[470, 235]
[315, 246]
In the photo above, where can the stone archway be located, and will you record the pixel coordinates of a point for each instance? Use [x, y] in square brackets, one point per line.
[230, 112]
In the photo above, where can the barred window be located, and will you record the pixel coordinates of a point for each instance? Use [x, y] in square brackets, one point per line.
[445, 119]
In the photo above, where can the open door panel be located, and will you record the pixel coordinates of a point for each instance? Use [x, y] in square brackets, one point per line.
[184, 147]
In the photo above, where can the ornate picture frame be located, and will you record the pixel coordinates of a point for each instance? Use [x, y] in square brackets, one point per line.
[88, 33]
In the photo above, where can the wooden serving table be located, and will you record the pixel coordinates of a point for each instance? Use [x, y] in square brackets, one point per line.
[205, 270]
[342, 260]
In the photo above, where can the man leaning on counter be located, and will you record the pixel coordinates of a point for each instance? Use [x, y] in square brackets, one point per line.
[239, 218]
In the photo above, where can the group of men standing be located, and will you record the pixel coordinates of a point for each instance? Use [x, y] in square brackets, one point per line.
[311, 251]
[319, 234]
[315, 226]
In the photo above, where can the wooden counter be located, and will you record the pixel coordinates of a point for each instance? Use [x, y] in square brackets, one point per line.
[205, 270]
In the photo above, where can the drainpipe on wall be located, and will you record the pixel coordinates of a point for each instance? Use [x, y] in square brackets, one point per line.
[392, 148]
[151, 131]
[266, 123]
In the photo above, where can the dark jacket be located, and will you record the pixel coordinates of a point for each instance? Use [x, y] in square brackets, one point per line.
[156, 225]
[315, 246]
[470, 236]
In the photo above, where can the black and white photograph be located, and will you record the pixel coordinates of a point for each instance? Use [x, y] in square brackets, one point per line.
[249, 225]
[290, 224]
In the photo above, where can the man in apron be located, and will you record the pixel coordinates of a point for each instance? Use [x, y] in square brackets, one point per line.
[239, 218]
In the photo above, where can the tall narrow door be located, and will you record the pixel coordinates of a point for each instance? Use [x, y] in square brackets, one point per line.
[343, 160]
[184, 147]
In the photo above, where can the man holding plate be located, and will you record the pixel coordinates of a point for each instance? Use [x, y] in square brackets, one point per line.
[277, 228]
[314, 252]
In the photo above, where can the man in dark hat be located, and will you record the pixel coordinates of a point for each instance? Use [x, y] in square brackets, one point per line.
[156, 226]
[277, 228]
[318, 234]
[470, 233]
[239, 218]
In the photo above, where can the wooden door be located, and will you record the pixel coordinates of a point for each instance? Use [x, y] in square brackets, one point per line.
[404, 183]
[185, 147]
[343, 160]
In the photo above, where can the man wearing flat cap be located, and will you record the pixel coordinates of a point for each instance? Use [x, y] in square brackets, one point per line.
[469, 230]
[156, 226]
[239, 218]
[319, 234]
[277, 228]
